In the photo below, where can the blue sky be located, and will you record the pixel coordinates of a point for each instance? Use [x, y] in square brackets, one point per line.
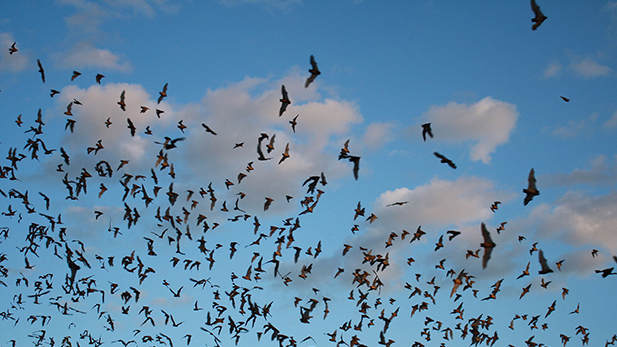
[490, 87]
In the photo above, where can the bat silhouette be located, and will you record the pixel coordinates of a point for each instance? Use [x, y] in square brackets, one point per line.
[314, 72]
[531, 190]
[162, 94]
[445, 160]
[545, 269]
[539, 16]
[426, 129]
[488, 246]
[284, 100]
[41, 70]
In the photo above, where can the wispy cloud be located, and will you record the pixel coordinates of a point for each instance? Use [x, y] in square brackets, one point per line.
[600, 173]
[589, 68]
[552, 70]
[87, 56]
[574, 128]
[485, 125]
[273, 3]
[11, 62]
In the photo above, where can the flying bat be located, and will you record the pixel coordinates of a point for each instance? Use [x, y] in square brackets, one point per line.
[426, 129]
[488, 246]
[545, 269]
[41, 70]
[539, 16]
[12, 49]
[445, 160]
[99, 77]
[284, 100]
[131, 126]
[162, 94]
[314, 72]
[356, 163]
[121, 102]
[531, 190]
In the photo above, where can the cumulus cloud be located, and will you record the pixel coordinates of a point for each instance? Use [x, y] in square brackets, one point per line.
[441, 203]
[485, 124]
[580, 219]
[589, 68]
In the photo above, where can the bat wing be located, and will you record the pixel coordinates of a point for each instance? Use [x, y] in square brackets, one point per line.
[488, 245]
[545, 269]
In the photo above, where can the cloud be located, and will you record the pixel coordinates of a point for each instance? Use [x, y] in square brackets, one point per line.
[486, 124]
[441, 203]
[601, 173]
[11, 62]
[589, 68]
[273, 3]
[574, 127]
[377, 134]
[579, 219]
[611, 123]
[238, 113]
[552, 70]
[84, 55]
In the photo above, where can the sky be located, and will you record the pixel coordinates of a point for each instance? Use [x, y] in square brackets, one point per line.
[173, 245]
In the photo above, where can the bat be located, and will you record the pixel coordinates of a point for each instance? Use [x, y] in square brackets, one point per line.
[314, 72]
[539, 16]
[543, 263]
[284, 100]
[426, 129]
[445, 160]
[41, 70]
[531, 190]
[488, 246]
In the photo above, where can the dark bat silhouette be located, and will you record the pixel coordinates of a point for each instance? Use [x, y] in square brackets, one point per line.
[162, 94]
[284, 100]
[131, 126]
[539, 16]
[445, 160]
[314, 72]
[121, 102]
[260, 153]
[12, 49]
[41, 70]
[488, 246]
[426, 129]
[545, 269]
[531, 190]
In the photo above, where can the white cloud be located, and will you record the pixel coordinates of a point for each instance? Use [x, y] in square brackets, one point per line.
[274, 3]
[486, 124]
[85, 55]
[15, 62]
[552, 70]
[377, 134]
[574, 127]
[600, 173]
[612, 122]
[580, 219]
[589, 68]
[441, 203]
